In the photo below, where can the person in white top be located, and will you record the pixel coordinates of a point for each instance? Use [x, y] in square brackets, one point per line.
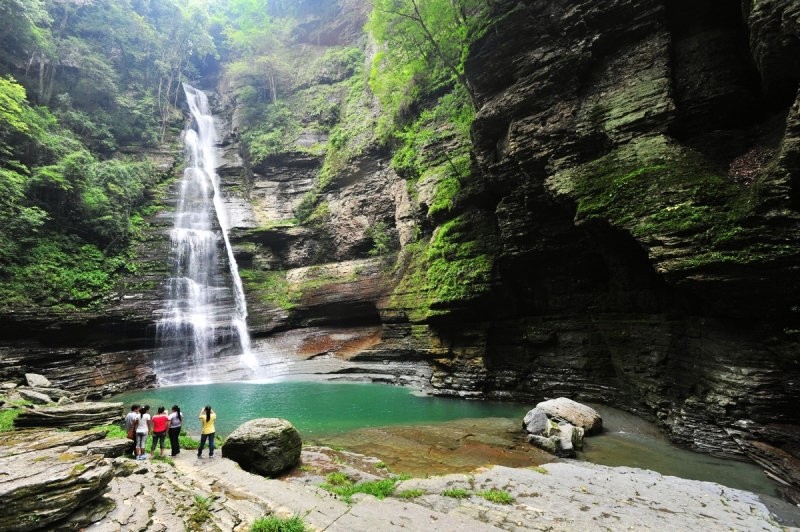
[142, 431]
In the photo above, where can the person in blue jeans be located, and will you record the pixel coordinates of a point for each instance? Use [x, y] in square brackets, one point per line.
[207, 417]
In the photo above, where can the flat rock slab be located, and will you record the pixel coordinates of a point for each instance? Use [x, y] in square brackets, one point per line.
[75, 416]
[26, 441]
[44, 485]
[34, 396]
[580, 496]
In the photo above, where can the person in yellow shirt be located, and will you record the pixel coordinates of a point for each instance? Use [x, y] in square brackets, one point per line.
[207, 417]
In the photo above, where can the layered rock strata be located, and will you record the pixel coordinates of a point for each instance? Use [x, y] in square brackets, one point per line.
[644, 176]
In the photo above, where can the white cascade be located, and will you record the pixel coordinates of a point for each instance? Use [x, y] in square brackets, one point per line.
[199, 320]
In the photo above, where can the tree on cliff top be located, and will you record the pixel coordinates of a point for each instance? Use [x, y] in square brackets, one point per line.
[424, 47]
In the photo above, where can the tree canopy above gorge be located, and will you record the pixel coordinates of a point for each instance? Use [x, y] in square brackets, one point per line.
[90, 90]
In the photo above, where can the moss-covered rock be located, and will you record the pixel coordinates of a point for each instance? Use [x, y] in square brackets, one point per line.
[686, 212]
[452, 270]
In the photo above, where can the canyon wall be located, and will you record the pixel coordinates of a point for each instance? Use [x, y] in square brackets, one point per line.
[627, 234]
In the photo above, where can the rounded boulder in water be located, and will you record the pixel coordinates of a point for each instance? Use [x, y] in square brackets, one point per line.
[266, 446]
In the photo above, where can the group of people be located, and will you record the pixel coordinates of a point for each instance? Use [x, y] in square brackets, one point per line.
[140, 424]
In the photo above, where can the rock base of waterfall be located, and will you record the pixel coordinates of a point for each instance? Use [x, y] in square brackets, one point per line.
[558, 426]
[267, 446]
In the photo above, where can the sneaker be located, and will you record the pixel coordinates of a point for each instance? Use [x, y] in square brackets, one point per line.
[199, 456]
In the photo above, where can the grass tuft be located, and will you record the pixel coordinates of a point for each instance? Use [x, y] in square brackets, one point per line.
[497, 496]
[273, 523]
[456, 493]
[341, 485]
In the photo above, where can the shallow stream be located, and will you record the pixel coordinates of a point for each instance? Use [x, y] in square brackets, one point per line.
[348, 414]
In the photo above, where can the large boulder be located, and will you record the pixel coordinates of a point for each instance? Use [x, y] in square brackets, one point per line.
[266, 446]
[582, 416]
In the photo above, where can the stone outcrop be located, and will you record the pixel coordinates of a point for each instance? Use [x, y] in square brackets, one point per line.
[44, 479]
[266, 446]
[75, 416]
[644, 185]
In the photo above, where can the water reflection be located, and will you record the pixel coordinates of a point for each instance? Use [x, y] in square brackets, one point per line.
[629, 441]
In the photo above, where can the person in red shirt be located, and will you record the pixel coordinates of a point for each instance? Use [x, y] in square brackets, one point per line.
[160, 423]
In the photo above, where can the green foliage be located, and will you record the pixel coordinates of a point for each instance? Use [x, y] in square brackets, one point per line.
[59, 271]
[456, 493]
[276, 131]
[381, 239]
[185, 441]
[201, 512]
[456, 266]
[337, 478]
[112, 432]
[497, 496]
[274, 523]
[355, 131]
[424, 46]
[420, 156]
[341, 485]
[270, 287]
[165, 459]
[7, 417]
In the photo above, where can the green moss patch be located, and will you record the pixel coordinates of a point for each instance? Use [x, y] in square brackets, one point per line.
[270, 287]
[453, 268]
[659, 191]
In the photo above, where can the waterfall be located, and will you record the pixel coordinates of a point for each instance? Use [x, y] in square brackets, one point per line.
[199, 320]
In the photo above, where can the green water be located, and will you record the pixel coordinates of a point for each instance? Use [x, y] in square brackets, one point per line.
[319, 409]
[629, 441]
[315, 408]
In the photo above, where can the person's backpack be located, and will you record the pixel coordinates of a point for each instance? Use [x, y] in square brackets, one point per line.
[132, 430]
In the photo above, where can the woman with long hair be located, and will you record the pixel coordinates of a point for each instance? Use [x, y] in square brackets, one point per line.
[207, 417]
[175, 423]
[142, 431]
[160, 423]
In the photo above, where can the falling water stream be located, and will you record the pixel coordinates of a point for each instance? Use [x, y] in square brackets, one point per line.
[199, 319]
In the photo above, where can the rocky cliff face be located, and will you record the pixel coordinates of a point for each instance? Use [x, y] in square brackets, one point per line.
[628, 236]
[642, 160]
